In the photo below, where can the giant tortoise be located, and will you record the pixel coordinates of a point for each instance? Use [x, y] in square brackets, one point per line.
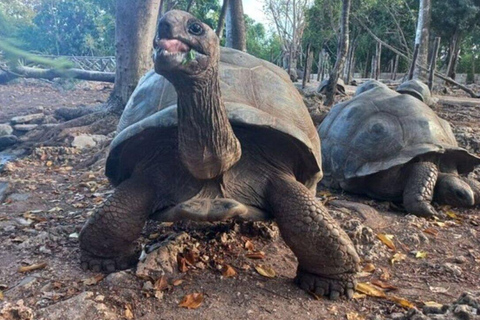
[211, 140]
[392, 146]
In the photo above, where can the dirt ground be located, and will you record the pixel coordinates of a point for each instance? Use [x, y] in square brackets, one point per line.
[50, 196]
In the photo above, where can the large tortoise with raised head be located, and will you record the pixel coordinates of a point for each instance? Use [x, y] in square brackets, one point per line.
[392, 146]
[219, 134]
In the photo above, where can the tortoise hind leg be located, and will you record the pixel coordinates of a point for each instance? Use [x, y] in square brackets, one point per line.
[327, 258]
[107, 238]
[418, 191]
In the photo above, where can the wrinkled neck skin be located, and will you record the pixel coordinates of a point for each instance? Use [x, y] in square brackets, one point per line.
[208, 147]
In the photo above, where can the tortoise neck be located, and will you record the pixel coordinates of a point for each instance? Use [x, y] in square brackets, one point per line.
[208, 147]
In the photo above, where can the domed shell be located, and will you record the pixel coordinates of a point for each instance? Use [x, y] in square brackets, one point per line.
[256, 93]
[417, 89]
[380, 129]
[369, 85]
[340, 86]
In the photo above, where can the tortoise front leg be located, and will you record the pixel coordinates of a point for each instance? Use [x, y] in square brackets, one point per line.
[107, 238]
[326, 256]
[418, 192]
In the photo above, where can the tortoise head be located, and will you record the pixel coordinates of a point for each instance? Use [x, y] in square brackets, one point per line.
[416, 89]
[452, 190]
[184, 47]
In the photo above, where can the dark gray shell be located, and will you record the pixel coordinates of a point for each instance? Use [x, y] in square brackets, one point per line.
[255, 92]
[417, 89]
[380, 129]
[340, 86]
[369, 85]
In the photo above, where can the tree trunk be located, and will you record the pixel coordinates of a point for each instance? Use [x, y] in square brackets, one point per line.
[309, 65]
[395, 68]
[221, 19]
[305, 69]
[433, 63]
[341, 53]
[378, 60]
[372, 66]
[134, 31]
[454, 51]
[414, 62]
[236, 37]
[422, 37]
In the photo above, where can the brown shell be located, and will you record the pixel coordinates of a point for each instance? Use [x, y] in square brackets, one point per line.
[255, 92]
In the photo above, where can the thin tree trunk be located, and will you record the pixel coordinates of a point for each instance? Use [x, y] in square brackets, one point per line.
[305, 69]
[236, 37]
[365, 69]
[378, 60]
[341, 53]
[422, 37]
[189, 6]
[414, 62]
[309, 64]
[433, 62]
[221, 19]
[320, 65]
[134, 31]
[372, 66]
[395, 68]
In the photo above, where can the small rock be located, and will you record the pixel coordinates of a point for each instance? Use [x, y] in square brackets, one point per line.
[7, 141]
[28, 118]
[83, 141]
[464, 312]
[16, 311]
[25, 127]
[80, 307]
[5, 129]
[454, 269]
[3, 190]
[19, 196]
[460, 260]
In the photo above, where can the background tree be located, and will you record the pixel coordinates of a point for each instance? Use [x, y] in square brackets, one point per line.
[342, 49]
[422, 37]
[236, 34]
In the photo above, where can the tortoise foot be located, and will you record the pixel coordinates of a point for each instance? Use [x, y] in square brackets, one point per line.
[332, 286]
[108, 264]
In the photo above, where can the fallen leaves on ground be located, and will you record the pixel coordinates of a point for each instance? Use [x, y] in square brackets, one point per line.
[161, 284]
[265, 271]
[397, 257]
[128, 312]
[384, 285]
[93, 280]
[182, 264]
[191, 301]
[387, 240]
[32, 267]
[433, 304]
[228, 271]
[249, 245]
[401, 302]
[177, 282]
[370, 290]
[421, 255]
[431, 231]
[369, 267]
[354, 316]
[256, 255]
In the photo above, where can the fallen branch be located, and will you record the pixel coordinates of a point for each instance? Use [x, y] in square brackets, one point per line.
[37, 73]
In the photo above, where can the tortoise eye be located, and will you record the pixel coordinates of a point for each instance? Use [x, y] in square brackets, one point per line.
[195, 28]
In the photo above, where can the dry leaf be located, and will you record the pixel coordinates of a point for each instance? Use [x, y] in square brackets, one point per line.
[384, 285]
[421, 255]
[432, 231]
[1, 295]
[182, 264]
[161, 284]
[387, 240]
[128, 312]
[93, 280]
[363, 274]
[433, 304]
[398, 257]
[256, 255]
[369, 290]
[369, 267]
[357, 295]
[354, 316]
[177, 282]
[32, 267]
[228, 271]
[401, 302]
[439, 223]
[385, 276]
[249, 245]
[191, 301]
[438, 289]
[265, 271]
[452, 215]
[191, 257]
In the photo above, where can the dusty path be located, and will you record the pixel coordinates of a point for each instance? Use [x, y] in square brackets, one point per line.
[49, 199]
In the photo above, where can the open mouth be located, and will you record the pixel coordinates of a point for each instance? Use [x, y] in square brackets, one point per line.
[176, 51]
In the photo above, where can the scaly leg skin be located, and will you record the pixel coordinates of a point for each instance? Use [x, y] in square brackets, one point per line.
[418, 192]
[326, 256]
[107, 238]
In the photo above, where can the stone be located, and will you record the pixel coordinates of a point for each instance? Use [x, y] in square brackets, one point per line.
[454, 269]
[28, 118]
[463, 312]
[19, 196]
[83, 141]
[7, 141]
[80, 307]
[17, 311]
[5, 129]
[25, 127]
[3, 190]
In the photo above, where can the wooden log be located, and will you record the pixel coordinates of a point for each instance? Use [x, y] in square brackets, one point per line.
[50, 74]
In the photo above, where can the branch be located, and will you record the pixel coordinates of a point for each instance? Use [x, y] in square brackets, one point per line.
[37, 73]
